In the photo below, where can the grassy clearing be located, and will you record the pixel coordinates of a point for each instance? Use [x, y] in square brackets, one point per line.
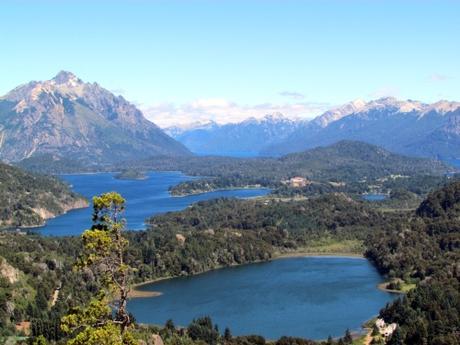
[362, 340]
[332, 246]
[397, 286]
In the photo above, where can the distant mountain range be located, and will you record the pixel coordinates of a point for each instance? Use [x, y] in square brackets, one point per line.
[246, 138]
[67, 117]
[408, 127]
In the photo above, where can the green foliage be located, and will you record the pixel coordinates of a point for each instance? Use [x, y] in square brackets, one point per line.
[42, 265]
[226, 232]
[131, 174]
[203, 329]
[425, 249]
[347, 339]
[419, 249]
[48, 163]
[443, 203]
[103, 251]
[40, 340]
[22, 194]
[294, 341]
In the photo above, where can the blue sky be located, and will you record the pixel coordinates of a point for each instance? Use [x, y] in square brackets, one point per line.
[186, 60]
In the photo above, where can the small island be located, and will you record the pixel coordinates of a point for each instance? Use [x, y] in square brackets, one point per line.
[131, 174]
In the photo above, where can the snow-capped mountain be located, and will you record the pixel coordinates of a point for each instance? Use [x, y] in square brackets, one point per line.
[408, 127]
[246, 138]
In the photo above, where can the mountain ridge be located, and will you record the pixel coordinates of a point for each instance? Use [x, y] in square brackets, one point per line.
[235, 139]
[75, 119]
[415, 128]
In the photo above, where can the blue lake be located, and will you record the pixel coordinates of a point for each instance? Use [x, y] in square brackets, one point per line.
[311, 297]
[454, 162]
[374, 197]
[144, 198]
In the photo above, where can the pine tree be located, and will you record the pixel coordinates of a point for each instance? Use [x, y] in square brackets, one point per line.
[227, 334]
[348, 339]
[103, 249]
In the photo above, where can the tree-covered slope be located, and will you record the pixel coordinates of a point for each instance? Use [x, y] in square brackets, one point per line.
[419, 248]
[424, 250]
[345, 161]
[28, 199]
[354, 158]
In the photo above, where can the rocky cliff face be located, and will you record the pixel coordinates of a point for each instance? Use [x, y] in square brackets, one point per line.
[8, 272]
[74, 119]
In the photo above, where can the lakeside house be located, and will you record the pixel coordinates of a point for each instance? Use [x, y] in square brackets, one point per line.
[298, 182]
[181, 239]
[385, 329]
[23, 327]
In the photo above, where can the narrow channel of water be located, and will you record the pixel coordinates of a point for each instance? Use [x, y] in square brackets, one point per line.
[144, 198]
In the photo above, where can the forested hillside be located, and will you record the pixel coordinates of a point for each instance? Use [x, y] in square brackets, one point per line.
[37, 283]
[416, 250]
[227, 232]
[424, 251]
[347, 161]
[28, 199]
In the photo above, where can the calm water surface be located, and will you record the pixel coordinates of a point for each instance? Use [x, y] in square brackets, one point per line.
[454, 162]
[311, 297]
[144, 198]
[374, 197]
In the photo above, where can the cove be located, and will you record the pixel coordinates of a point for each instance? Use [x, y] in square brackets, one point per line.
[144, 198]
[310, 297]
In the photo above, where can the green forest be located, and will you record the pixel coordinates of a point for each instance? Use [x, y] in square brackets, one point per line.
[418, 248]
[26, 199]
[412, 237]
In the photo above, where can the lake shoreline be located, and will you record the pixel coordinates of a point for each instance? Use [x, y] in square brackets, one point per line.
[150, 197]
[77, 204]
[182, 195]
[383, 287]
[361, 332]
[136, 292]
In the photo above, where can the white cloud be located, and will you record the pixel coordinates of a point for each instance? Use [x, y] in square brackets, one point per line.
[210, 102]
[224, 111]
[436, 77]
[292, 94]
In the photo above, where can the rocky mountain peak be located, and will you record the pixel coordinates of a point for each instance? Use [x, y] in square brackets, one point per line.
[276, 117]
[64, 77]
[443, 106]
[395, 104]
[65, 115]
[64, 83]
[337, 113]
